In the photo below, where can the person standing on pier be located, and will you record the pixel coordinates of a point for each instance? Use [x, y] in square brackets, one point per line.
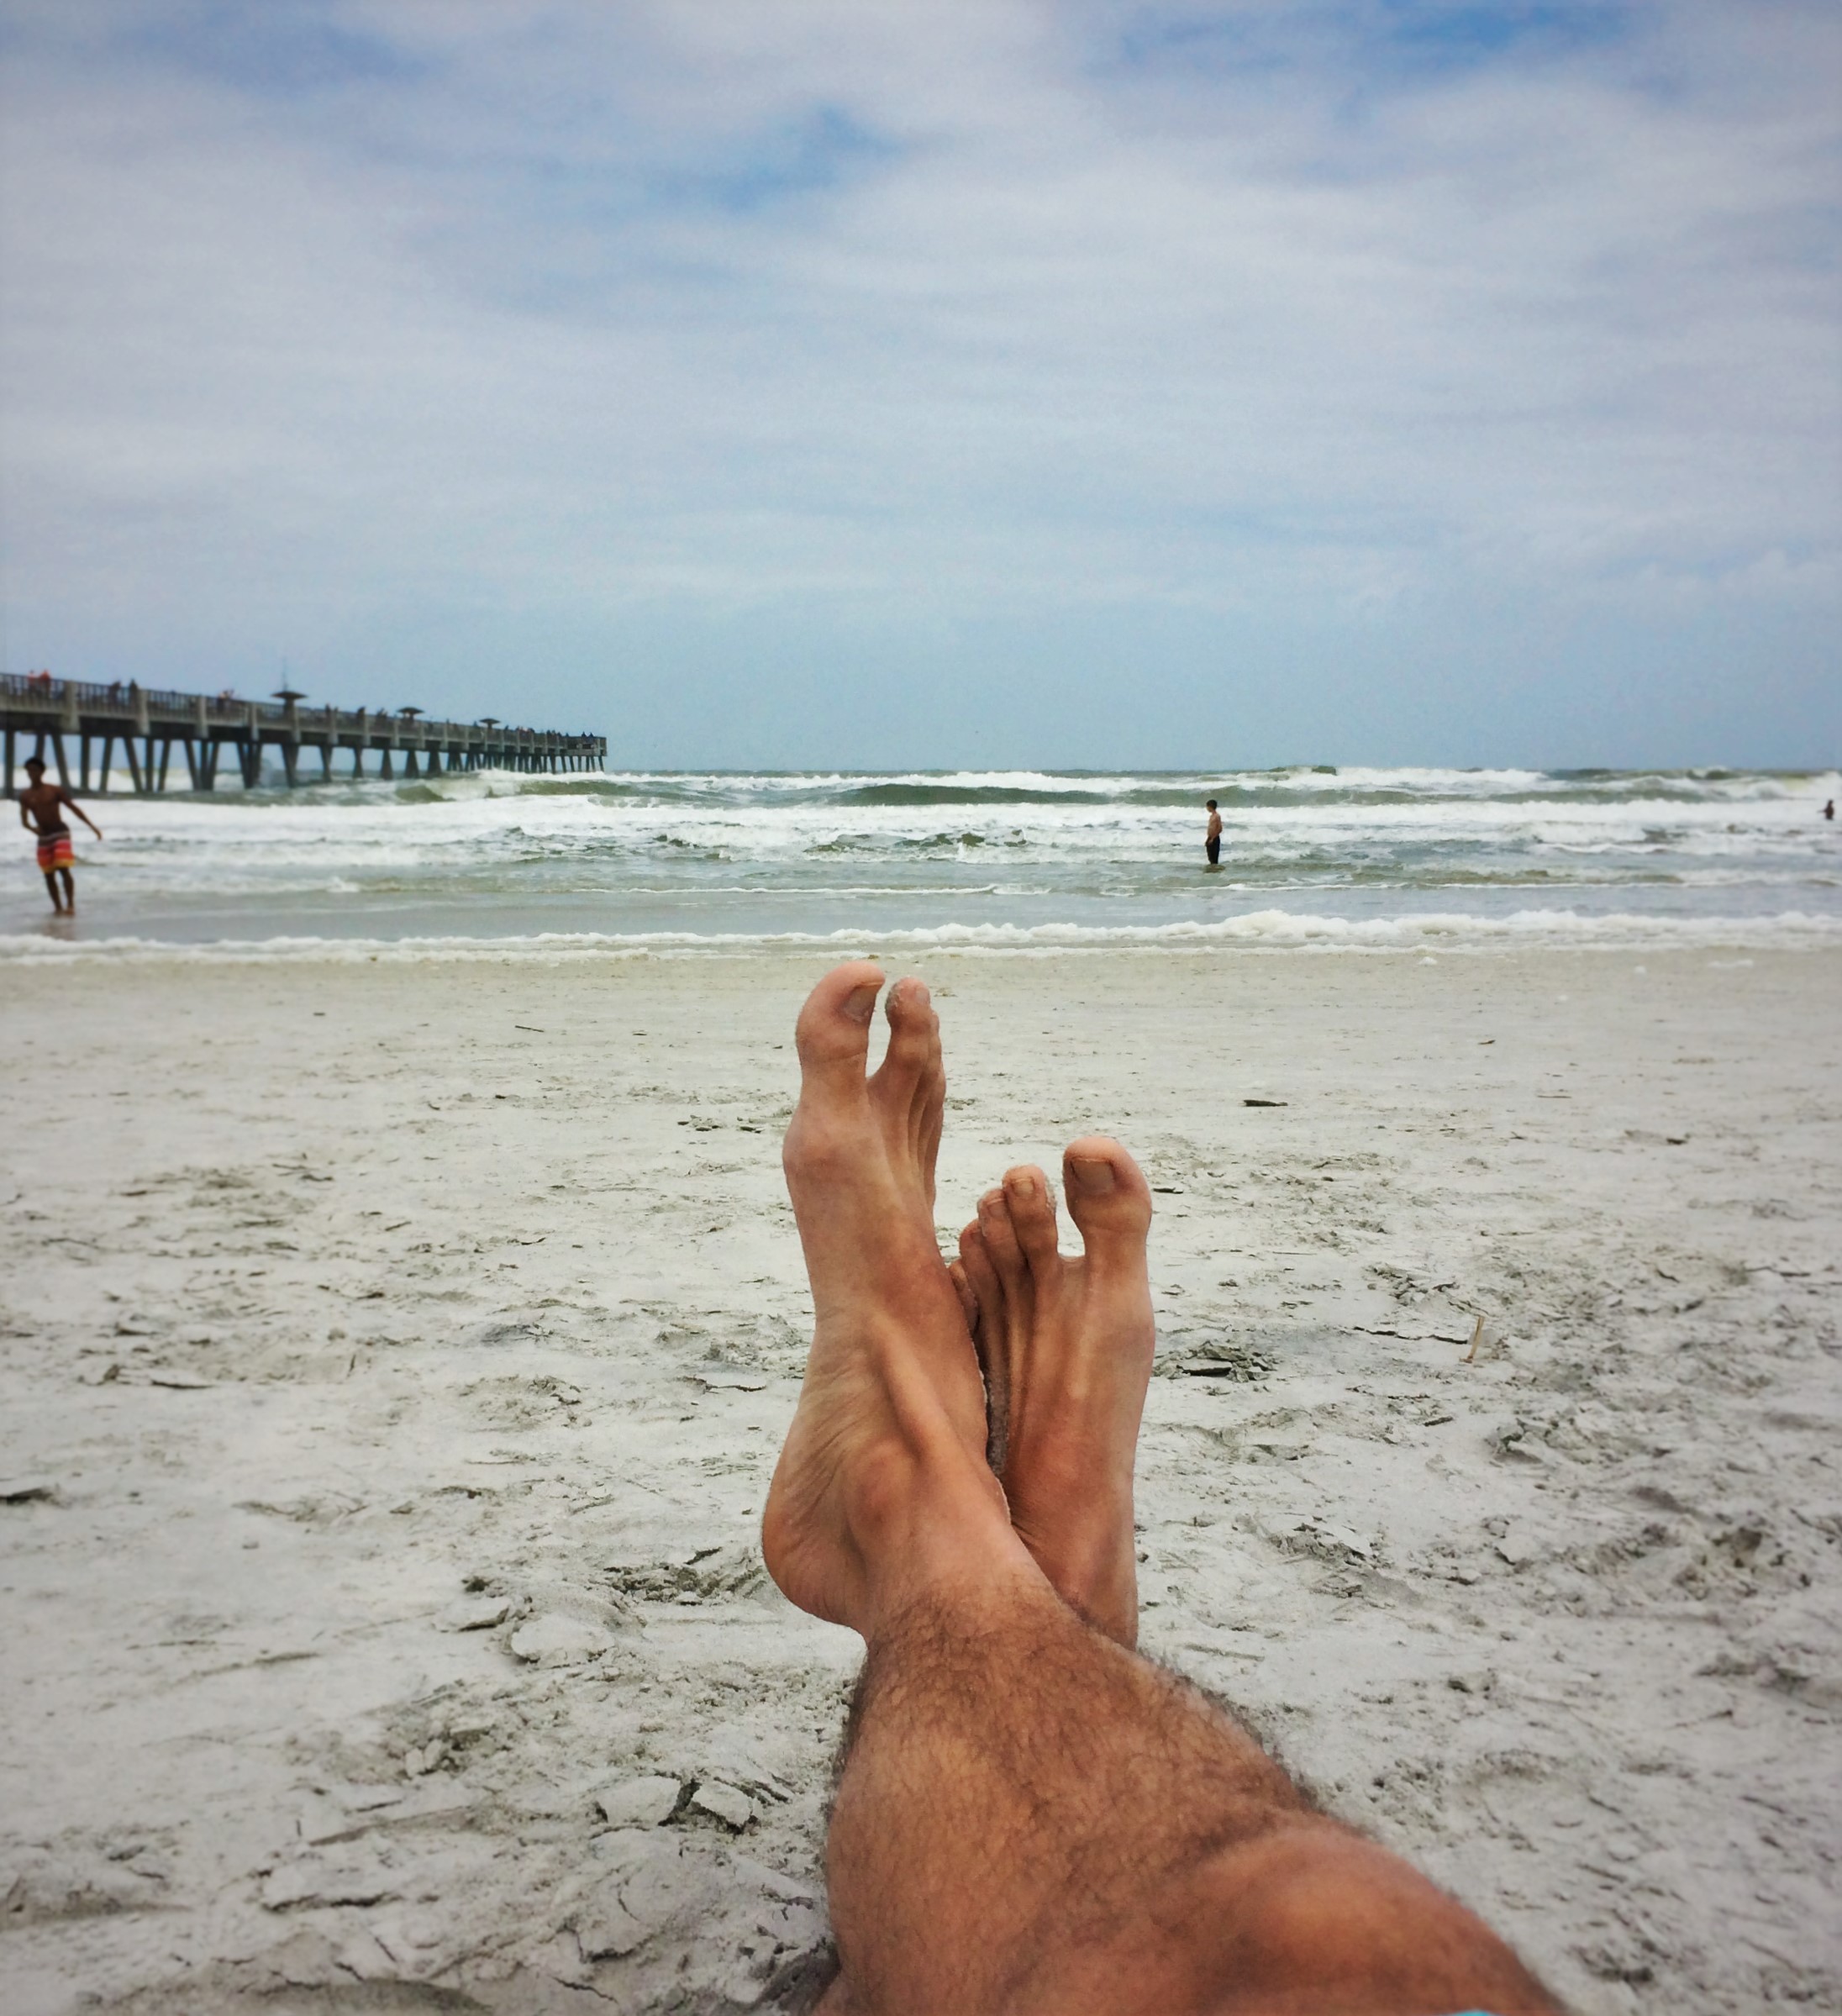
[41, 812]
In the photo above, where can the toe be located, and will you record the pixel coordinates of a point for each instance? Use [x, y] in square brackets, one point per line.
[999, 1237]
[968, 1295]
[1108, 1198]
[832, 1033]
[1033, 1216]
[909, 1087]
[983, 1285]
[914, 1056]
[981, 1294]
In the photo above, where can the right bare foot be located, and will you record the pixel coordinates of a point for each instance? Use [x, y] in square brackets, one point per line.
[1066, 1347]
[882, 1484]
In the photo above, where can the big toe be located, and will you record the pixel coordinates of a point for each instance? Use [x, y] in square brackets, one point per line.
[832, 1032]
[1108, 1198]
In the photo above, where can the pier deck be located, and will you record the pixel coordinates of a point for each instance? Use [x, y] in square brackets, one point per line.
[68, 722]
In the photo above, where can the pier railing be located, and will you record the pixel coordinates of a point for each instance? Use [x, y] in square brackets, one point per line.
[67, 721]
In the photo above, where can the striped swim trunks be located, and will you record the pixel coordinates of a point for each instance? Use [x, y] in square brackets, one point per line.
[54, 851]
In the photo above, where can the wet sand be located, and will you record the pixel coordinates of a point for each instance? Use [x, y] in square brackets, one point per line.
[393, 1355]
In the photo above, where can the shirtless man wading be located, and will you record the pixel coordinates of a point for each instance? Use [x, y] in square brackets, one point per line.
[1031, 1819]
[41, 812]
[1211, 841]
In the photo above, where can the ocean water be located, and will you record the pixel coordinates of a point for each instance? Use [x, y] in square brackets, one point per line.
[1384, 858]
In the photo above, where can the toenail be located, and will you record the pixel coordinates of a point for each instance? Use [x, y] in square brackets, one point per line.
[1095, 1178]
[861, 1004]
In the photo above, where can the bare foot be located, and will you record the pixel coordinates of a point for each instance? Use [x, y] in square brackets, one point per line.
[883, 1485]
[1066, 1347]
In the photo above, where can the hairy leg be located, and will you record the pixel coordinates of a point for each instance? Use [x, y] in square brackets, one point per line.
[1031, 1820]
[1034, 1821]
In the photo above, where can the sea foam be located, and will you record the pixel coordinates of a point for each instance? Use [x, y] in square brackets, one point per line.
[1262, 930]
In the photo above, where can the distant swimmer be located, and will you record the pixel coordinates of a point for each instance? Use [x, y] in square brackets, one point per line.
[41, 812]
[1212, 846]
[1828, 810]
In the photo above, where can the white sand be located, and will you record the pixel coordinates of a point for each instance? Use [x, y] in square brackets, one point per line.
[401, 1386]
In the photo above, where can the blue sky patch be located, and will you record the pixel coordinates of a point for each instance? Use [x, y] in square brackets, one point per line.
[1398, 36]
[1443, 36]
[278, 50]
[823, 150]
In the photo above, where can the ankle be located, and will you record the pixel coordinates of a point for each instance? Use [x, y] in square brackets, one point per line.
[1099, 1582]
[944, 1546]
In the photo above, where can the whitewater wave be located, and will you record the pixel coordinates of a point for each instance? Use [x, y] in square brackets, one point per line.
[1301, 784]
[711, 854]
[1258, 931]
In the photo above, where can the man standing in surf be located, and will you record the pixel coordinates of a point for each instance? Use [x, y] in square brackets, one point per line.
[1212, 845]
[41, 812]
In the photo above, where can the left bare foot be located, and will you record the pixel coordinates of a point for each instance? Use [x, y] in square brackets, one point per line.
[1066, 1348]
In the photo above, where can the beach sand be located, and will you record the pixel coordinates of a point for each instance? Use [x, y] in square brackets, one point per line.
[393, 1355]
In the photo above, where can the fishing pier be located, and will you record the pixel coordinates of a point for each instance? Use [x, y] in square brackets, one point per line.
[74, 726]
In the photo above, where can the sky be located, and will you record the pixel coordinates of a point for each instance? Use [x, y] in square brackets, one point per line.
[789, 383]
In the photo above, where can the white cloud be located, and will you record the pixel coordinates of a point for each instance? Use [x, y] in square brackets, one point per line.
[365, 315]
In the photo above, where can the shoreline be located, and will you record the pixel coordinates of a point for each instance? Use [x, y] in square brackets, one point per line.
[1269, 931]
[454, 1329]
